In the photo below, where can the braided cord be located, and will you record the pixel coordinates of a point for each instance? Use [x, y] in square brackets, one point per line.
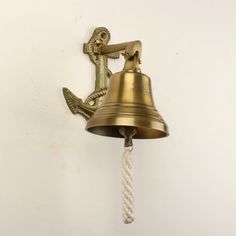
[127, 186]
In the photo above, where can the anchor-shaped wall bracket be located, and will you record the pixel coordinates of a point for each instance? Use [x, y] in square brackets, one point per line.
[100, 38]
[98, 52]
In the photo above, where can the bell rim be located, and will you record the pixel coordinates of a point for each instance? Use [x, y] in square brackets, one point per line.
[146, 129]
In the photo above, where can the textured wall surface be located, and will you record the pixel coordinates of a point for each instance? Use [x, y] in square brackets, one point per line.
[58, 180]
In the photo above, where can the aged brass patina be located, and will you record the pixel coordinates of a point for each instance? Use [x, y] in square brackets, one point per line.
[124, 101]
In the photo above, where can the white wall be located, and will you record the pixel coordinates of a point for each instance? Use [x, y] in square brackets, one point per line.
[58, 180]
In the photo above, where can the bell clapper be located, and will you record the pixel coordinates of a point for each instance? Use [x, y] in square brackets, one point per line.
[127, 176]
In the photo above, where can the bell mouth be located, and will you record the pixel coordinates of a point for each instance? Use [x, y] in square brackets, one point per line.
[145, 128]
[142, 133]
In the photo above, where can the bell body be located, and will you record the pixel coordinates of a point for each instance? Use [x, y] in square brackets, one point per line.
[128, 103]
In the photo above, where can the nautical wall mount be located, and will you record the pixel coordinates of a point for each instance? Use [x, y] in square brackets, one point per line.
[121, 104]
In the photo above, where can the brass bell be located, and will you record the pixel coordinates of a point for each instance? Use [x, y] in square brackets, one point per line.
[128, 103]
[120, 106]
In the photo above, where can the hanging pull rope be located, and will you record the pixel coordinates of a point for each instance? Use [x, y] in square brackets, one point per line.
[127, 176]
[127, 186]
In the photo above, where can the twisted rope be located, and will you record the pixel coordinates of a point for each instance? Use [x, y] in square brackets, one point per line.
[127, 186]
